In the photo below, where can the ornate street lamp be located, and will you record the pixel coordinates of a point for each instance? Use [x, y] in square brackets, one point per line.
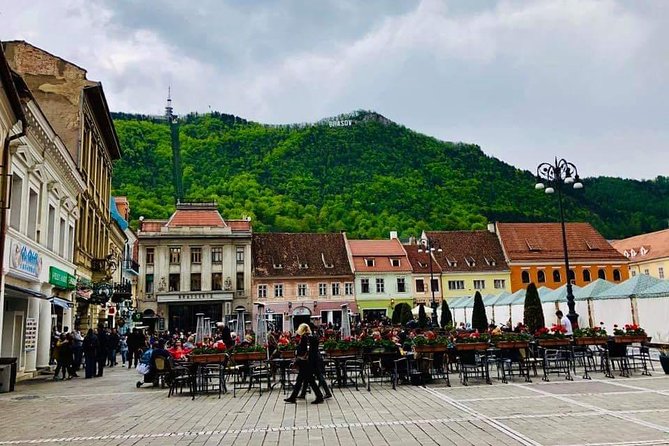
[429, 246]
[552, 177]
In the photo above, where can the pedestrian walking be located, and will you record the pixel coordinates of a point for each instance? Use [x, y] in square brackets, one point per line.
[77, 349]
[318, 368]
[123, 347]
[112, 347]
[90, 347]
[305, 368]
[101, 353]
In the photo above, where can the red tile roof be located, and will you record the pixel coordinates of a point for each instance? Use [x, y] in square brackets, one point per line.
[382, 251]
[196, 217]
[239, 225]
[655, 246]
[300, 255]
[468, 251]
[542, 242]
[420, 261]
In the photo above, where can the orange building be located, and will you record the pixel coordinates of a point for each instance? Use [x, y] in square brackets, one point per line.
[534, 253]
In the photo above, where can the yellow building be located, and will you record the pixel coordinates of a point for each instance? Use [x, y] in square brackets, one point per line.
[648, 253]
[470, 261]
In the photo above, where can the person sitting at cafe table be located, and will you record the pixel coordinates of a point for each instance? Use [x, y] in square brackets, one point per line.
[178, 352]
[565, 322]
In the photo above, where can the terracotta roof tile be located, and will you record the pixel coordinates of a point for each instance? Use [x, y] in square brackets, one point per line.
[468, 251]
[196, 217]
[655, 244]
[543, 242]
[300, 255]
[382, 251]
[420, 261]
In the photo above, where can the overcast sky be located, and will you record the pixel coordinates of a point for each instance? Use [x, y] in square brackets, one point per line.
[526, 80]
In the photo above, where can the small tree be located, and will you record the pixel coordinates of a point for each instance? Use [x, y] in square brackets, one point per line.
[405, 313]
[446, 316]
[396, 315]
[479, 317]
[422, 317]
[533, 314]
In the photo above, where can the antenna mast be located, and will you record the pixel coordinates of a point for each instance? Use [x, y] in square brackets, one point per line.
[176, 147]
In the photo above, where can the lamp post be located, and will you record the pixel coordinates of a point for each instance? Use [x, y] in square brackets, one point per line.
[556, 176]
[429, 246]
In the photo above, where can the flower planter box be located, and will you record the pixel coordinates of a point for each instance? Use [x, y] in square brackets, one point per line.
[591, 340]
[286, 354]
[625, 339]
[471, 346]
[554, 342]
[249, 356]
[209, 358]
[430, 348]
[337, 353]
[664, 360]
[511, 344]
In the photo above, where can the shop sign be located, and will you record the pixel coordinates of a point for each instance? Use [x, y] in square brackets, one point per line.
[62, 279]
[193, 297]
[301, 311]
[31, 334]
[25, 259]
[137, 317]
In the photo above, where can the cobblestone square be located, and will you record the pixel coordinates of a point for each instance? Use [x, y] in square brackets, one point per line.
[111, 411]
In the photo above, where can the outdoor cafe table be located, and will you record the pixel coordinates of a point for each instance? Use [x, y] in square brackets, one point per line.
[341, 374]
[284, 379]
[584, 343]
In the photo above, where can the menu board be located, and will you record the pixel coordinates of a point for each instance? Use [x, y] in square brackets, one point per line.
[31, 334]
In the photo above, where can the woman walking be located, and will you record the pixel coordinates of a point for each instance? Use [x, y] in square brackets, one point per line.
[305, 366]
[90, 345]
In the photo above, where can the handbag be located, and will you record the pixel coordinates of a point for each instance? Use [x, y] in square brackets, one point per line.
[142, 368]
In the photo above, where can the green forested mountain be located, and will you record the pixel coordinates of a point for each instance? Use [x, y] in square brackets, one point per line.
[360, 173]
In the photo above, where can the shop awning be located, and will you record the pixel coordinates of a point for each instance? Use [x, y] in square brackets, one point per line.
[22, 293]
[60, 302]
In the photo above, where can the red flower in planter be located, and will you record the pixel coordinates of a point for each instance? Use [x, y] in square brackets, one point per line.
[220, 346]
[430, 335]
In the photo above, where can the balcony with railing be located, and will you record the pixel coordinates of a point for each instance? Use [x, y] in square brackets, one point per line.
[131, 266]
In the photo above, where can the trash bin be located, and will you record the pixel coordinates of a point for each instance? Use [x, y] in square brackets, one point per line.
[11, 362]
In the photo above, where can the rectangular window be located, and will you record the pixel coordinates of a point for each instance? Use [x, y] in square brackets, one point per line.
[148, 283]
[32, 215]
[500, 284]
[240, 281]
[633, 273]
[380, 286]
[149, 256]
[240, 255]
[61, 238]
[335, 289]
[322, 289]
[70, 243]
[435, 285]
[401, 285]
[196, 282]
[216, 281]
[395, 262]
[420, 286]
[17, 197]
[646, 272]
[51, 227]
[262, 291]
[175, 282]
[456, 284]
[216, 254]
[660, 272]
[302, 290]
[175, 254]
[479, 284]
[364, 285]
[278, 290]
[369, 262]
[196, 255]
[348, 288]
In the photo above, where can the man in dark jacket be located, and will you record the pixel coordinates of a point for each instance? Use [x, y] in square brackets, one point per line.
[101, 354]
[112, 346]
[90, 346]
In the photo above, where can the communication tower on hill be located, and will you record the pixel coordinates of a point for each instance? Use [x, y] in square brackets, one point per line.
[176, 148]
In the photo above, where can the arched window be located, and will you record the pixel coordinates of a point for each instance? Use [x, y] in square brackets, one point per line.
[541, 276]
[556, 276]
[525, 276]
[586, 275]
[616, 275]
[602, 274]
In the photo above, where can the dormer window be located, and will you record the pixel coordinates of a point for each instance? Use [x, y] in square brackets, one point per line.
[369, 262]
[626, 253]
[304, 266]
[422, 265]
[643, 251]
[632, 253]
[451, 262]
[533, 247]
[325, 262]
[591, 246]
[470, 261]
[395, 262]
[490, 261]
[278, 266]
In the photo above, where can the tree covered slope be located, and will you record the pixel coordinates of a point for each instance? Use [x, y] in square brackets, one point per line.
[359, 173]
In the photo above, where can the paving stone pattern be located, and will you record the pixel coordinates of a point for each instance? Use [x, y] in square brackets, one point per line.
[111, 411]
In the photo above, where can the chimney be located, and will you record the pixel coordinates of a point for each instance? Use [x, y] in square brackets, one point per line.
[123, 207]
[393, 235]
[492, 228]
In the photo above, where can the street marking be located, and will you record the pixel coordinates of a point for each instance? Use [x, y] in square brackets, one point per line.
[623, 443]
[629, 386]
[523, 439]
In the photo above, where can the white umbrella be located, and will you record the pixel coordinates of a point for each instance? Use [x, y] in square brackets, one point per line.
[345, 322]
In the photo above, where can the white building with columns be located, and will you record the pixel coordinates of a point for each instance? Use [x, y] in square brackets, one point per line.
[39, 273]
